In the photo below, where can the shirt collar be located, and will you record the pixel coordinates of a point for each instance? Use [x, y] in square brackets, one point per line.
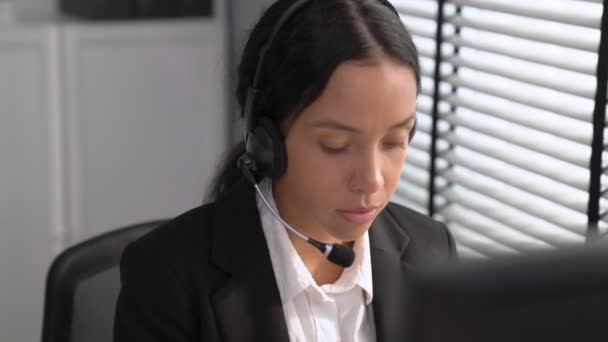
[291, 274]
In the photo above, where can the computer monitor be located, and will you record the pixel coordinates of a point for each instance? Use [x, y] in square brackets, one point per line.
[552, 296]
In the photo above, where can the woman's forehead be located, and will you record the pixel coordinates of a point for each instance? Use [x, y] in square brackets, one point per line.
[383, 91]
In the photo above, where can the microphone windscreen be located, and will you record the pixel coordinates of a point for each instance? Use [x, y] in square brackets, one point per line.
[341, 256]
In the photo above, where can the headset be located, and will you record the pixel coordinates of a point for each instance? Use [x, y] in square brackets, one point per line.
[266, 155]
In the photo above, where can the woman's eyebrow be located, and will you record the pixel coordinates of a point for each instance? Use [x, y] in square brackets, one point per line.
[334, 125]
[403, 124]
[331, 124]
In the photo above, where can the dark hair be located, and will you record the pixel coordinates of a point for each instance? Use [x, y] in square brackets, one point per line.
[306, 51]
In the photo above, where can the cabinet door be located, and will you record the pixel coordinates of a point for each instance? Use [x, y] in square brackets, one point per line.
[30, 180]
[146, 119]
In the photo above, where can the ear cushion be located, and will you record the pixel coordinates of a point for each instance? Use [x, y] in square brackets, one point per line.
[268, 149]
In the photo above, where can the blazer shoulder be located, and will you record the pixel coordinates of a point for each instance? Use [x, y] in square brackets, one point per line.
[161, 292]
[423, 229]
[177, 239]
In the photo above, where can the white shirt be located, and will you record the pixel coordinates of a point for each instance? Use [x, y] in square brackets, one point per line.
[332, 312]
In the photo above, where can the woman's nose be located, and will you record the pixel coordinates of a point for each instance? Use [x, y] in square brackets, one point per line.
[367, 176]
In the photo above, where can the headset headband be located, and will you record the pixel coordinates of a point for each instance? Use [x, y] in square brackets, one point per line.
[253, 88]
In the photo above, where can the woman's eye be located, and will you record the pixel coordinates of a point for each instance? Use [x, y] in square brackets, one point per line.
[334, 150]
[396, 144]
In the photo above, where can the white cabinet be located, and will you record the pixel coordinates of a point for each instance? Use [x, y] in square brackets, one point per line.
[101, 125]
[146, 120]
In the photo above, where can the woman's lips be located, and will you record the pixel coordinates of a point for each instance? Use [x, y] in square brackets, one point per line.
[358, 215]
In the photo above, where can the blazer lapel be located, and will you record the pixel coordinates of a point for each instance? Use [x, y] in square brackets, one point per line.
[248, 306]
[388, 243]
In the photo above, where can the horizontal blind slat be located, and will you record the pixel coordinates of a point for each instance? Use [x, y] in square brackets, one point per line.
[526, 99]
[530, 56]
[424, 109]
[412, 192]
[528, 184]
[427, 71]
[526, 10]
[421, 141]
[416, 175]
[555, 83]
[555, 128]
[579, 44]
[525, 205]
[506, 235]
[421, 32]
[405, 8]
[424, 52]
[558, 237]
[529, 163]
[526, 141]
[423, 120]
[418, 158]
[479, 241]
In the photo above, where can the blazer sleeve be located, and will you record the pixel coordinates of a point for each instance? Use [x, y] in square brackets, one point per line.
[152, 305]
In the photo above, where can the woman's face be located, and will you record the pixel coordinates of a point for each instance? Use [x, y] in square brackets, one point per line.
[346, 150]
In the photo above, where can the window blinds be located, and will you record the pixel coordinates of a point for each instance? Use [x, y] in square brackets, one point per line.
[508, 149]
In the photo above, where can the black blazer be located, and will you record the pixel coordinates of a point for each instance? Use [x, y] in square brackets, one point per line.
[206, 275]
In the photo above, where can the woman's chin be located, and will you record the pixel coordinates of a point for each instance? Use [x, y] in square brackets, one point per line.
[349, 232]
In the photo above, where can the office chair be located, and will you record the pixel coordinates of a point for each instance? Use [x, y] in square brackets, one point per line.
[82, 287]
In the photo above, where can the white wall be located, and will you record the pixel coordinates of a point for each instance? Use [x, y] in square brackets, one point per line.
[146, 115]
[36, 7]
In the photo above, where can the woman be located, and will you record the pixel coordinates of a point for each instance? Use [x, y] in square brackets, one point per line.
[300, 241]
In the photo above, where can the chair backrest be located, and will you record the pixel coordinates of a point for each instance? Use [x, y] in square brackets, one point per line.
[82, 287]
